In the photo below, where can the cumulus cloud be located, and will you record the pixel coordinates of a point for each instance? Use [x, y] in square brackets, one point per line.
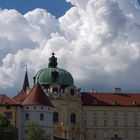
[97, 41]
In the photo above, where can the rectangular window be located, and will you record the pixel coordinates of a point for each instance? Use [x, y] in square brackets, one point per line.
[115, 123]
[27, 116]
[84, 122]
[105, 113]
[8, 115]
[135, 123]
[105, 134]
[8, 107]
[125, 123]
[105, 123]
[95, 123]
[41, 116]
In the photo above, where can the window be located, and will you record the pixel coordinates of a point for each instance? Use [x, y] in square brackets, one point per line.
[84, 113]
[95, 113]
[55, 117]
[95, 123]
[105, 113]
[125, 113]
[115, 113]
[8, 115]
[105, 123]
[115, 123]
[73, 118]
[27, 116]
[105, 134]
[135, 123]
[136, 135]
[135, 113]
[84, 122]
[55, 76]
[125, 134]
[41, 116]
[95, 135]
[72, 92]
[8, 107]
[125, 123]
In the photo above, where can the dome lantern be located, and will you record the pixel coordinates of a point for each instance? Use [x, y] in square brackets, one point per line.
[52, 61]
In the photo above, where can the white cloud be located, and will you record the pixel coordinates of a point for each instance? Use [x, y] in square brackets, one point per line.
[97, 41]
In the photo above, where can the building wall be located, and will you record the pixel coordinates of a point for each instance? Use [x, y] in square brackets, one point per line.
[12, 112]
[106, 122]
[65, 106]
[34, 116]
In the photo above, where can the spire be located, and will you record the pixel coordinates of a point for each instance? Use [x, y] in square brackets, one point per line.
[52, 61]
[26, 81]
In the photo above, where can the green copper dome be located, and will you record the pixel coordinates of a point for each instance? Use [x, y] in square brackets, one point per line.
[53, 74]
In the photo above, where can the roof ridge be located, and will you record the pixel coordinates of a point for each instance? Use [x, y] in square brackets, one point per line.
[2, 98]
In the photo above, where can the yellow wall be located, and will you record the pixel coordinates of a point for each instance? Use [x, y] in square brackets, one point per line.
[15, 114]
[111, 113]
[65, 106]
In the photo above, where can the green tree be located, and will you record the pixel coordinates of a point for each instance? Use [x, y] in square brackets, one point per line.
[6, 128]
[35, 132]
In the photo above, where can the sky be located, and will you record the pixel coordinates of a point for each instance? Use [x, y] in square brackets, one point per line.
[55, 7]
[96, 41]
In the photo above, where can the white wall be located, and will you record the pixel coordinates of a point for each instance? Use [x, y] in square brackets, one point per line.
[34, 116]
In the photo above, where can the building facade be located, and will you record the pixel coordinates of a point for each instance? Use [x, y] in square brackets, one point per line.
[88, 116]
[59, 107]
[10, 108]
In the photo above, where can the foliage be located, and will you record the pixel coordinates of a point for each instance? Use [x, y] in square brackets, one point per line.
[35, 132]
[6, 128]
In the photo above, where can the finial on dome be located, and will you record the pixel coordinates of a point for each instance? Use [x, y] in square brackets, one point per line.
[53, 54]
[52, 61]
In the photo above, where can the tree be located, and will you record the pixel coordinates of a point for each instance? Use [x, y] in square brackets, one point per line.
[35, 132]
[5, 128]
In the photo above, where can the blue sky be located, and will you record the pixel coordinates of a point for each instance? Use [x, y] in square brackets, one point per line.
[56, 7]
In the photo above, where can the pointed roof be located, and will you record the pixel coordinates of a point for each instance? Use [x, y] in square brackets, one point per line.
[26, 81]
[37, 96]
[5, 100]
[20, 97]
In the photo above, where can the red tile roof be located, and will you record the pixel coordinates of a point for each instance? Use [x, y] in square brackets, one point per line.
[5, 100]
[107, 99]
[20, 97]
[37, 96]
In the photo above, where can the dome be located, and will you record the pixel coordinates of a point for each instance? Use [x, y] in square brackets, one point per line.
[53, 74]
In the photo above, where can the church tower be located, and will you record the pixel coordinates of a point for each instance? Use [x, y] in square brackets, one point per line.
[25, 86]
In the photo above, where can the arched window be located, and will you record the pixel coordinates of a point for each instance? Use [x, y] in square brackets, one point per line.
[55, 89]
[55, 117]
[72, 92]
[73, 118]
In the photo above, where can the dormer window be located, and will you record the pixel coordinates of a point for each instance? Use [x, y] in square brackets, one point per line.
[134, 103]
[55, 76]
[114, 103]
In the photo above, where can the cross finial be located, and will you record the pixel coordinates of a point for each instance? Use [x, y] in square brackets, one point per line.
[53, 53]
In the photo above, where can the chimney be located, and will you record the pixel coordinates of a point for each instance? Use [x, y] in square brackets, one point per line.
[93, 90]
[117, 90]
